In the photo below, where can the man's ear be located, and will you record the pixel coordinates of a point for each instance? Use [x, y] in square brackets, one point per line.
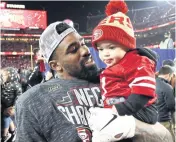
[54, 65]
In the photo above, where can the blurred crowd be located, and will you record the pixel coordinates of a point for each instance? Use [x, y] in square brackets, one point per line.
[17, 46]
[20, 62]
[15, 81]
[153, 16]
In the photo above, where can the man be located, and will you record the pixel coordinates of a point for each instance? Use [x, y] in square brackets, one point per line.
[166, 101]
[56, 110]
[172, 64]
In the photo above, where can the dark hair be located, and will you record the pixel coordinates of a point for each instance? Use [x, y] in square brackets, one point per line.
[166, 70]
[59, 28]
[35, 50]
[168, 62]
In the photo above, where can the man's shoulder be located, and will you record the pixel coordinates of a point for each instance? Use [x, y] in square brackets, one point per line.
[36, 92]
[164, 85]
[29, 95]
[168, 86]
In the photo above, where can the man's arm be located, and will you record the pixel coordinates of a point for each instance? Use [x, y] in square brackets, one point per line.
[151, 133]
[133, 104]
[27, 125]
[39, 123]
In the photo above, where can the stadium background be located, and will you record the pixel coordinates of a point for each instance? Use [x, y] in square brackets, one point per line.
[21, 26]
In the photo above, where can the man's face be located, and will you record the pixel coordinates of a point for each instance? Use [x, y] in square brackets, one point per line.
[74, 57]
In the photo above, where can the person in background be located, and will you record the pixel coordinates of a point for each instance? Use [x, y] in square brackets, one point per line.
[167, 42]
[24, 76]
[10, 90]
[166, 100]
[168, 62]
[7, 124]
[128, 82]
[39, 60]
[38, 74]
[173, 81]
[172, 64]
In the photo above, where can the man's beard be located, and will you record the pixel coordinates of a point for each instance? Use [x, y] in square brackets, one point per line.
[90, 73]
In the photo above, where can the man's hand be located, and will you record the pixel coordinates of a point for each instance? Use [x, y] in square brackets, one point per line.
[108, 126]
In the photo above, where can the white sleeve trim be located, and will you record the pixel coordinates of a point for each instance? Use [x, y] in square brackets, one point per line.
[143, 85]
[143, 78]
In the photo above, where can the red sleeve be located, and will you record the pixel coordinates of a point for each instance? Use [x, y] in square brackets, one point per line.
[141, 77]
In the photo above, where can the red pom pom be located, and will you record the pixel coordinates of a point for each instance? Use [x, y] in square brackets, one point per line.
[116, 6]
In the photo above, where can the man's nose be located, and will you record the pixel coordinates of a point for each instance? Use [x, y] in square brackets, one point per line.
[85, 51]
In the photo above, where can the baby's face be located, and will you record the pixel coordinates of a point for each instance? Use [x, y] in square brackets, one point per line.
[110, 52]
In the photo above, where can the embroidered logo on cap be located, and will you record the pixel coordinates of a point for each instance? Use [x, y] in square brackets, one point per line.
[97, 34]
